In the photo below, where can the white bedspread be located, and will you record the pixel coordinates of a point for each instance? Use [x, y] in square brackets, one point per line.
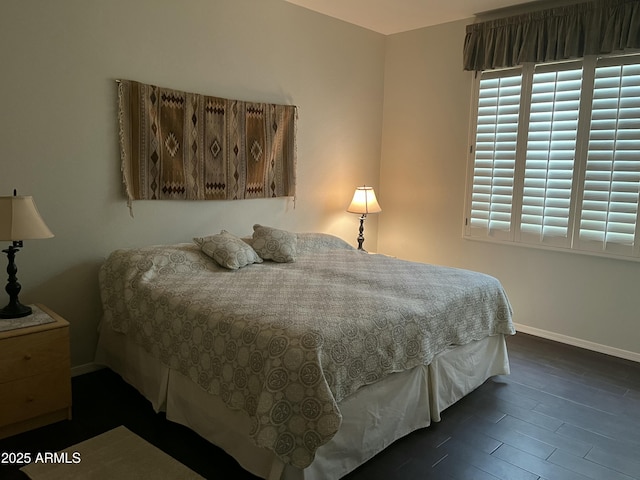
[286, 342]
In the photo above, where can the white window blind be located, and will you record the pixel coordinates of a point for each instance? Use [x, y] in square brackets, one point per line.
[495, 152]
[551, 150]
[555, 158]
[612, 177]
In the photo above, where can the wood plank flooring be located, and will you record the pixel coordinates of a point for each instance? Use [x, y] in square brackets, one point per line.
[563, 413]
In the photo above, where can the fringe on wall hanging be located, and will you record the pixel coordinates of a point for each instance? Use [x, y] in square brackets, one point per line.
[184, 146]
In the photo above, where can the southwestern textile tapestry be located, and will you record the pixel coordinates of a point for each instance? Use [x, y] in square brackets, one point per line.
[184, 146]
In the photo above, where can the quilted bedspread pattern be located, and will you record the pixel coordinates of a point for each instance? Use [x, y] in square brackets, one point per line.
[285, 342]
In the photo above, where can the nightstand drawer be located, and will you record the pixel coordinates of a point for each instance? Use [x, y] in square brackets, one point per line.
[28, 355]
[35, 380]
[33, 396]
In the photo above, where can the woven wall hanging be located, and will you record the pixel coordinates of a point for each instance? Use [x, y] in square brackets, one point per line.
[184, 146]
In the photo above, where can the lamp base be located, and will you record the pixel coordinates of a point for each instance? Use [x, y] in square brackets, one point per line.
[361, 232]
[15, 310]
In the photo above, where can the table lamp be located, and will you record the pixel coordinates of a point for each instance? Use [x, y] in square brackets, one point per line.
[19, 220]
[364, 202]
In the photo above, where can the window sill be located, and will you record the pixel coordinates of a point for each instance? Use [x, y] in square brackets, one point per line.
[588, 253]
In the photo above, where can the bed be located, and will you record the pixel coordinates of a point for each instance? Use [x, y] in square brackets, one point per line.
[300, 356]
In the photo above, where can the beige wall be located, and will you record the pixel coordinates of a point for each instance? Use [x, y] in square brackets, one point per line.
[58, 139]
[589, 301]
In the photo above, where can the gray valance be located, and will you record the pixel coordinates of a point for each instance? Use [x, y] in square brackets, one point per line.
[590, 28]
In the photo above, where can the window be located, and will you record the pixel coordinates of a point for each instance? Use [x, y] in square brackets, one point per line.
[555, 156]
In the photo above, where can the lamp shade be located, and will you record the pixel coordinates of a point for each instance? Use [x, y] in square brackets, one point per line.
[20, 219]
[364, 201]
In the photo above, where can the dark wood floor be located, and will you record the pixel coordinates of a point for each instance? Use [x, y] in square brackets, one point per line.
[563, 413]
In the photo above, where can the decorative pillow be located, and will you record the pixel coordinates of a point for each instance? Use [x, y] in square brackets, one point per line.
[273, 244]
[228, 250]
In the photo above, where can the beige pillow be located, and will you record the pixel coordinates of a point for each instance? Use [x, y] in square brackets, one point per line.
[274, 244]
[228, 250]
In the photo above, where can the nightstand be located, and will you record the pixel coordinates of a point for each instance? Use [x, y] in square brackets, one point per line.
[35, 375]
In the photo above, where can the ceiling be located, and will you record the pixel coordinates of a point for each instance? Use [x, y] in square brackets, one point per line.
[393, 16]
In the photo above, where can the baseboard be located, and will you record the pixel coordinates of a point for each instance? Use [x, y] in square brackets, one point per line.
[578, 342]
[86, 368]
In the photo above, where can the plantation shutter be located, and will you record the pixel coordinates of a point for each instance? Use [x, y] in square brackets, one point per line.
[556, 157]
[495, 153]
[609, 213]
[550, 155]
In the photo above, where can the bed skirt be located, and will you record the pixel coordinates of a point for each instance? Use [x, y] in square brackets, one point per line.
[372, 416]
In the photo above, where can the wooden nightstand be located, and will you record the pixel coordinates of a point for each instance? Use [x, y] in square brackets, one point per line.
[35, 375]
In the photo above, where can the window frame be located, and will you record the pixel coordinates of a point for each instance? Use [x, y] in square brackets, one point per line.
[515, 236]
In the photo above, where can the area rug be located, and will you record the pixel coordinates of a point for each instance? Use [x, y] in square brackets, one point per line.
[117, 454]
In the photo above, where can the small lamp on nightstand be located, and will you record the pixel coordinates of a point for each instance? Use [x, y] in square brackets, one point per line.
[19, 220]
[364, 202]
